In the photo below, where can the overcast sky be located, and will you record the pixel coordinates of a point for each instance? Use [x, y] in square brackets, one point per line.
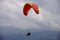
[11, 15]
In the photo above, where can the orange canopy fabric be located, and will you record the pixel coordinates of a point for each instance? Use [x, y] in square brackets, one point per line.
[35, 7]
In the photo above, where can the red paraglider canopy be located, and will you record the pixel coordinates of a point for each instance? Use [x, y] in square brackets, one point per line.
[28, 6]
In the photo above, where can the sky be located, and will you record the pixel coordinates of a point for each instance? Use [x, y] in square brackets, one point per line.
[11, 15]
[13, 22]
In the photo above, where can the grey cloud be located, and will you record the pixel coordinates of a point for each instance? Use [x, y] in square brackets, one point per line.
[11, 15]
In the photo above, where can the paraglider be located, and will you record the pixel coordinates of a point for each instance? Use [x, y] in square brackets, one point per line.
[28, 6]
[28, 34]
[26, 9]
